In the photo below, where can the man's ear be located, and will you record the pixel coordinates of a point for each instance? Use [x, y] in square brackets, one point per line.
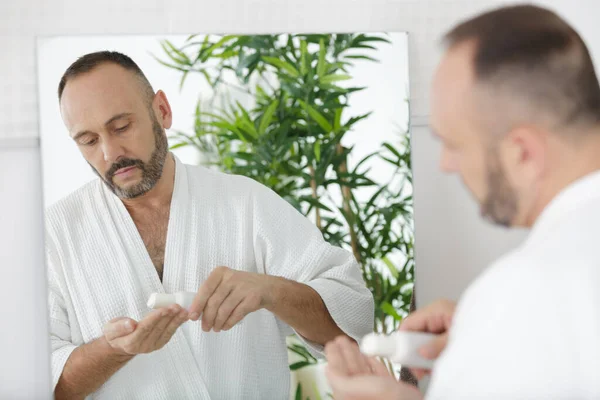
[523, 154]
[162, 108]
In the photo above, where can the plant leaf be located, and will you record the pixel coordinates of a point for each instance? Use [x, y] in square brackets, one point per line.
[321, 66]
[267, 117]
[289, 68]
[208, 51]
[391, 267]
[175, 53]
[392, 149]
[334, 78]
[361, 57]
[317, 116]
[318, 150]
[390, 310]
[299, 364]
[178, 145]
[303, 57]
[316, 389]
[185, 74]
[337, 120]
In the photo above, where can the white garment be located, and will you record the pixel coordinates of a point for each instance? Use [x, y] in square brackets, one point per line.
[99, 269]
[529, 327]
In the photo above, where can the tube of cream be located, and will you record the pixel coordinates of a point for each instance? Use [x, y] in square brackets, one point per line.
[158, 300]
[400, 347]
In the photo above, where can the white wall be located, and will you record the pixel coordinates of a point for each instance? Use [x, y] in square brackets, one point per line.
[23, 350]
[65, 169]
[440, 249]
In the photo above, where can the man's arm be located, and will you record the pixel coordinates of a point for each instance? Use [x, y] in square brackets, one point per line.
[89, 367]
[227, 296]
[316, 288]
[302, 308]
[325, 294]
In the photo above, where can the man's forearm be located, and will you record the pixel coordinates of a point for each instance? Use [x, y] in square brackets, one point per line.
[301, 307]
[88, 367]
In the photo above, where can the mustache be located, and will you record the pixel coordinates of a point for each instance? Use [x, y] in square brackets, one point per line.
[123, 163]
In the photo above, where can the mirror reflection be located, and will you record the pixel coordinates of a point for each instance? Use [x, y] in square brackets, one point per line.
[219, 207]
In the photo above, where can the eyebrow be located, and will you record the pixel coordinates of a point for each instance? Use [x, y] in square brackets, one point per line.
[108, 122]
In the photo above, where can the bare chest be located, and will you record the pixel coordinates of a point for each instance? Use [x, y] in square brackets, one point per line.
[153, 231]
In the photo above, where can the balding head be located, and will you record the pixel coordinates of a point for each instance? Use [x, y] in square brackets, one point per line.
[92, 61]
[530, 63]
[515, 100]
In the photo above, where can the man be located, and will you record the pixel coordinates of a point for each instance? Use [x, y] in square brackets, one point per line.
[152, 224]
[516, 104]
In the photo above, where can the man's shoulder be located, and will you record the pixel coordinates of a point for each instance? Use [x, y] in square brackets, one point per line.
[73, 205]
[213, 178]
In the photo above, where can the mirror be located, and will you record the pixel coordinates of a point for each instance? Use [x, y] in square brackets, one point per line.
[319, 125]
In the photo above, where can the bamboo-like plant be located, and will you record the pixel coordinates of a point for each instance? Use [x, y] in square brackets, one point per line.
[289, 138]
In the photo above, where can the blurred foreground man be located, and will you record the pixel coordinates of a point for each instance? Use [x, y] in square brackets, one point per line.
[516, 104]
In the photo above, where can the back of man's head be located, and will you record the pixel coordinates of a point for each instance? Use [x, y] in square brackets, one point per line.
[91, 61]
[529, 55]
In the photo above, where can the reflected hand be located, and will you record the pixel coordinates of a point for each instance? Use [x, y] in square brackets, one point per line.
[130, 337]
[228, 295]
[354, 376]
[435, 318]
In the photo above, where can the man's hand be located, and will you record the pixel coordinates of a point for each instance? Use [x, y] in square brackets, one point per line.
[227, 296]
[129, 337]
[435, 318]
[353, 376]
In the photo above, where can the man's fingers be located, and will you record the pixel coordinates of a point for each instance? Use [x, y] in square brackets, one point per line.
[238, 314]
[369, 387]
[118, 327]
[434, 318]
[345, 357]
[146, 326]
[226, 310]
[205, 292]
[433, 349]
[335, 358]
[356, 361]
[378, 367]
[170, 330]
[168, 314]
[212, 307]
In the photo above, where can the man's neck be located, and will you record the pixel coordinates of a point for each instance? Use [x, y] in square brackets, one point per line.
[160, 195]
[574, 164]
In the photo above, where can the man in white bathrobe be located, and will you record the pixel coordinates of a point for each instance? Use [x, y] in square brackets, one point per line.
[516, 105]
[152, 224]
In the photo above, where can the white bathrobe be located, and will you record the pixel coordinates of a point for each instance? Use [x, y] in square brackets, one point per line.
[529, 327]
[99, 269]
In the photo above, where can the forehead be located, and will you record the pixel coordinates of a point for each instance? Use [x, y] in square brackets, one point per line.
[93, 97]
[453, 89]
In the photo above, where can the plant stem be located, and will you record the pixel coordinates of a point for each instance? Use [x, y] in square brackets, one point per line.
[347, 196]
[313, 185]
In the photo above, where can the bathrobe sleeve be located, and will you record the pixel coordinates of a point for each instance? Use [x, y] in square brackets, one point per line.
[291, 246]
[60, 331]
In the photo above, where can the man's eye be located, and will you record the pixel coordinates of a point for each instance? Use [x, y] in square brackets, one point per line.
[89, 142]
[123, 128]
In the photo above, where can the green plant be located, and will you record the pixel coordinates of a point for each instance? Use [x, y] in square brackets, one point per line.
[286, 132]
